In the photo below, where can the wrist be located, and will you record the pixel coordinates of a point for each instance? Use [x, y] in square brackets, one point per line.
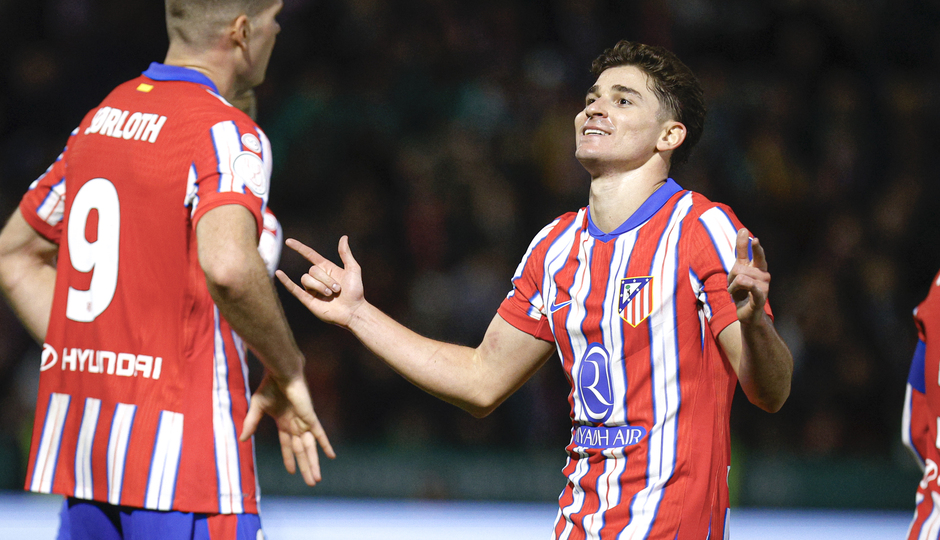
[286, 375]
[359, 317]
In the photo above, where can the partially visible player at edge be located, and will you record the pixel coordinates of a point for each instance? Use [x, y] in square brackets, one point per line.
[921, 417]
[138, 260]
[654, 297]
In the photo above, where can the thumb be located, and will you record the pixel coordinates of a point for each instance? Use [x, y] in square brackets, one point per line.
[251, 420]
[346, 254]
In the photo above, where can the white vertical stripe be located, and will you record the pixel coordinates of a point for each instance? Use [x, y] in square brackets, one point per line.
[699, 288]
[612, 326]
[48, 453]
[121, 426]
[267, 159]
[609, 490]
[580, 290]
[84, 483]
[223, 429]
[53, 206]
[242, 357]
[192, 190]
[931, 527]
[555, 257]
[723, 234]
[577, 495]
[535, 242]
[906, 426]
[664, 364]
[164, 465]
[227, 146]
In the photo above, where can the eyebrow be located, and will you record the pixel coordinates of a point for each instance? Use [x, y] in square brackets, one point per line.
[616, 88]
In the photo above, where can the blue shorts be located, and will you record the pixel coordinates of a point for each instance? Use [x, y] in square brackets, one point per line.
[92, 520]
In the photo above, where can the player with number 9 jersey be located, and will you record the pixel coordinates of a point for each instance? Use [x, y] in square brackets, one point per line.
[142, 382]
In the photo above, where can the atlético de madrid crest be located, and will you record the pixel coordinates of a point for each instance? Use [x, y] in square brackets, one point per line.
[636, 299]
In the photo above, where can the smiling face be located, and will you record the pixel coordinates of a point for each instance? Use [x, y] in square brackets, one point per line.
[622, 126]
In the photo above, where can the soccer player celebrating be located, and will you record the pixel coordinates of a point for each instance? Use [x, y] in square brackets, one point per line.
[654, 297]
[138, 259]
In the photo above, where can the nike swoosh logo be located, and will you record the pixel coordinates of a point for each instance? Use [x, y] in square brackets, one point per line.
[555, 307]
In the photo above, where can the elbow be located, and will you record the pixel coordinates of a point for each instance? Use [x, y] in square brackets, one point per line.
[227, 278]
[772, 402]
[481, 405]
[480, 411]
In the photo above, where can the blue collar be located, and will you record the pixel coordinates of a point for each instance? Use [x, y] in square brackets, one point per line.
[161, 72]
[650, 206]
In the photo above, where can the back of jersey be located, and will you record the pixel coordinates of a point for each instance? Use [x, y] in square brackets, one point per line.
[141, 378]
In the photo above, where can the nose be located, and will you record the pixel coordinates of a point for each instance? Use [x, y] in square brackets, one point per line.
[594, 108]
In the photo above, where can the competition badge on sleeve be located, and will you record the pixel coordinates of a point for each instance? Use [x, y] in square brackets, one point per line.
[636, 299]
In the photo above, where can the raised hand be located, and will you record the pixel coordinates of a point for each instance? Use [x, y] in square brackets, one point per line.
[331, 293]
[298, 427]
[749, 281]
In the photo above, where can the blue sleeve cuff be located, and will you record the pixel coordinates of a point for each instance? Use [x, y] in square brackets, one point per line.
[916, 376]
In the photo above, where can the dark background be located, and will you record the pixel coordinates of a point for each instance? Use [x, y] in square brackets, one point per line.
[438, 135]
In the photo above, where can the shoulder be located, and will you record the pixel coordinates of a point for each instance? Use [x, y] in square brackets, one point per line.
[559, 225]
[701, 205]
[930, 307]
[549, 235]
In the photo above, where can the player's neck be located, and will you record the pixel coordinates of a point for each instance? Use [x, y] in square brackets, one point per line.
[615, 197]
[212, 64]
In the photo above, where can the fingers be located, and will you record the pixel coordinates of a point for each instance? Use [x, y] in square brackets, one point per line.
[748, 251]
[742, 246]
[287, 451]
[759, 259]
[255, 412]
[293, 288]
[346, 255]
[319, 281]
[320, 435]
[307, 252]
[299, 446]
[311, 457]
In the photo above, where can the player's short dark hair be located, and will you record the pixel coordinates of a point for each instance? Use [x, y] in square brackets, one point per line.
[675, 86]
[197, 21]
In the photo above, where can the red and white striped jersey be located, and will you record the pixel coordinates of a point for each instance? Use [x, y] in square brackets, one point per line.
[635, 315]
[920, 425]
[143, 386]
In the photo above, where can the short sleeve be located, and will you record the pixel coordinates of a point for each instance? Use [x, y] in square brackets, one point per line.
[271, 242]
[712, 245]
[232, 166]
[524, 307]
[43, 205]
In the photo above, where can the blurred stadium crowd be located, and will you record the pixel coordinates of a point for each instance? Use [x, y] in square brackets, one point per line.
[438, 134]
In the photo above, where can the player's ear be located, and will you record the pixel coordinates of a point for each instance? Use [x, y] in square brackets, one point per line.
[672, 136]
[240, 30]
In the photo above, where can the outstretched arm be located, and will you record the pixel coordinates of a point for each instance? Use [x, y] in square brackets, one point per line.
[239, 284]
[27, 274]
[758, 355]
[474, 379]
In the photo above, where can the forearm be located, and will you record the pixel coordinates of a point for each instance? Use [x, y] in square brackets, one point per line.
[251, 306]
[238, 281]
[766, 365]
[28, 289]
[27, 274]
[453, 373]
